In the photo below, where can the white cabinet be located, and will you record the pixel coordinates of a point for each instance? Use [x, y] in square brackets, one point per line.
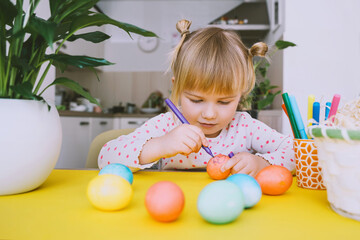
[99, 125]
[129, 122]
[78, 132]
[272, 118]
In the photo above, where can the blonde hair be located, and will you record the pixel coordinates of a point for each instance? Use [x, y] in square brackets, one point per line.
[213, 60]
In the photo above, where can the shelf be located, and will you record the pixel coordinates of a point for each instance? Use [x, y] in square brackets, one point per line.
[243, 27]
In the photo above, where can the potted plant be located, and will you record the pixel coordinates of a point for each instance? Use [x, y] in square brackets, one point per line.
[30, 138]
[263, 95]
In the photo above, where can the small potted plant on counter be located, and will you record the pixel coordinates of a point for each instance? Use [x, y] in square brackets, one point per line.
[30, 138]
[263, 94]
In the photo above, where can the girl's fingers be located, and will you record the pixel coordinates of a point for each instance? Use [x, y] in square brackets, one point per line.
[239, 167]
[230, 164]
[200, 133]
[246, 170]
[192, 144]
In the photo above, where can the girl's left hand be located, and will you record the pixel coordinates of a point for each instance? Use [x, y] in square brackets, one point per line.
[246, 163]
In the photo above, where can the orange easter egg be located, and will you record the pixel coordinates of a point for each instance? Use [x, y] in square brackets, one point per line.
[274, 180]
[164, 201]
[213, 167]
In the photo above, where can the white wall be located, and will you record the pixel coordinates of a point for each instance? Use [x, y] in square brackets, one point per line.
[159, 17]
[326, 60]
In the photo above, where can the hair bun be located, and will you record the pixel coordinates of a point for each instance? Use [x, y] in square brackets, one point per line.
[259, 49]
[183, 26]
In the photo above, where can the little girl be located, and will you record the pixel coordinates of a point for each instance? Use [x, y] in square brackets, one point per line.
[212, 70]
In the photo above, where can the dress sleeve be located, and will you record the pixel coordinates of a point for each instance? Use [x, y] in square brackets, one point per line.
[273, 146]
[126, 148]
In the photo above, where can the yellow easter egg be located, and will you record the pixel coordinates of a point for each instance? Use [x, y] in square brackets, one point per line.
[109, 192]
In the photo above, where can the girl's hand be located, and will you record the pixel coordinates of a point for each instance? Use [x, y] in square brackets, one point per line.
[183, 139]
[246, 163]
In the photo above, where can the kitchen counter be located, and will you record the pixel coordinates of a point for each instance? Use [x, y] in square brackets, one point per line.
[104, 115]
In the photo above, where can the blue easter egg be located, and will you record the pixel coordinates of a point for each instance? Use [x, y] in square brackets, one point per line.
[249, 186]
[220, 202]
[118, 169]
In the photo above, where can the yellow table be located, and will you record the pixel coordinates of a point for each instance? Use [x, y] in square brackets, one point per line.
[59, 209]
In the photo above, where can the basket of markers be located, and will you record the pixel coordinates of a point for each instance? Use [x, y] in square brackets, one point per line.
[332, 148]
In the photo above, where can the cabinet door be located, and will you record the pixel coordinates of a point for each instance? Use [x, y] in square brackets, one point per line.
[126, 122]
[75, 143]
[272, 118]
[99, 125]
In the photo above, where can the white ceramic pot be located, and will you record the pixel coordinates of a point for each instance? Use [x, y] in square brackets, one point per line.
[30, 142]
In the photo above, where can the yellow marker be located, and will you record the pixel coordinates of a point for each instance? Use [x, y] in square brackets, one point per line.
[311, 100]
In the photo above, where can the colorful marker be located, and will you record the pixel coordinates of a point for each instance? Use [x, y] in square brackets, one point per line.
[334, 107]
[327, 110]
[316, 113]
[297, 115]
[289, 110]
[311, 100]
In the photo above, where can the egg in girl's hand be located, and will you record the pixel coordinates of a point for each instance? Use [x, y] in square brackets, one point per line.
[274, 180]
[109, 192]
[249, 187]
[220, 202]
[118, 169]
[213, 167]
[164, 201]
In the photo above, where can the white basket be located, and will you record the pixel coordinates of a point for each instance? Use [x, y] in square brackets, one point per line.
[339, 158]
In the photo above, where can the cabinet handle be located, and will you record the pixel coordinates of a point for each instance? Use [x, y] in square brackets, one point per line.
[103, 123]
[134, 122]
[84, 123]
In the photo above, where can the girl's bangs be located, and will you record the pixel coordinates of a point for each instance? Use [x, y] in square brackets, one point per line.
[214, 79]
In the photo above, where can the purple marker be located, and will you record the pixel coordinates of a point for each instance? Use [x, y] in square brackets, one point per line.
[231, 154]
[183, 120]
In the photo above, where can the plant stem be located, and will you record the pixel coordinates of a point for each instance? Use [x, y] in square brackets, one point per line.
[42, 77]
[48, 66]
[2, 59]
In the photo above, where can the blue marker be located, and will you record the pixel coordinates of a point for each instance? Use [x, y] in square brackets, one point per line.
[297, 116]
[327, 110]
[316, 113]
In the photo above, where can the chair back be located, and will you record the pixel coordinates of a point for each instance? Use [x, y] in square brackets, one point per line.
[99, 141]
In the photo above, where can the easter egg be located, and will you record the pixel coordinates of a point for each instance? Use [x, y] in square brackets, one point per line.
[213, 167]
[220, 202]
[118, 169]
[109, 192]
[249, 187]
[164, 201]
[274, 180]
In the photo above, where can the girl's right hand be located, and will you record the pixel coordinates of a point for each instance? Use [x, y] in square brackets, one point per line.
[183, 139]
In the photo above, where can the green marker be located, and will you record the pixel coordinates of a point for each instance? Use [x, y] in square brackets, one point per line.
[290, 112]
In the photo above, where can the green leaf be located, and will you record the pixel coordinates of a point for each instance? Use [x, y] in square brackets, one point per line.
[25, 91]
[263, 103]
[99, 19]
[78, 61]
[21, 64]
[42, 27]
[262, 71]
[72, 8]
[94, 37]
[55, 5]
[8, 12]
[75, 87]
[280, 44]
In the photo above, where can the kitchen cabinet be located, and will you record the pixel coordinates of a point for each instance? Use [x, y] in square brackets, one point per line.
[254, 20]
[78, 132]
[129, 122]
[272, 118]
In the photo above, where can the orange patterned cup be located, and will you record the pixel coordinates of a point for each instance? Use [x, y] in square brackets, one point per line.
[308, 173]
